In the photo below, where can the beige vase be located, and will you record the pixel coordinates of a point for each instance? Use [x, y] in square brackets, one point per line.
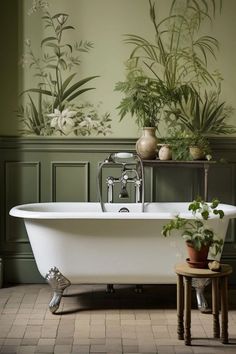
[146, 145]
[165, 152]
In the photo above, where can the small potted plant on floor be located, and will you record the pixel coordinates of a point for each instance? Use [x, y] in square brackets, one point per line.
[198, 235]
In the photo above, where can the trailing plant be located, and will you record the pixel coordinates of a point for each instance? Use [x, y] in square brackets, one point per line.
[200, 141]
[196, 230]
[58, 85]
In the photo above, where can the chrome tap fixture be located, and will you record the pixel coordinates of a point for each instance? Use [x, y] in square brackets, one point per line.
[131, 173]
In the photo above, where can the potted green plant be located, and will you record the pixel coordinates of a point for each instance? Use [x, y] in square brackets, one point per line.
[199, 147]
[198, 235]
[178, 141]
[144, 98]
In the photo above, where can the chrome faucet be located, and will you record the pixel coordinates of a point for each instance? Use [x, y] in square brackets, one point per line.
[129, 174]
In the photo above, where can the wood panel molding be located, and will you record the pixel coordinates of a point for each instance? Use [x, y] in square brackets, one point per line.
[66, 167]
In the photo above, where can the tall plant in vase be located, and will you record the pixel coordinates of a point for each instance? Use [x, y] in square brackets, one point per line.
[144, 99]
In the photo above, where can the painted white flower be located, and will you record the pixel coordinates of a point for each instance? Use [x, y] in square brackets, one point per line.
[37, 5]
[62, 120]
[89, 123]
[62, 19]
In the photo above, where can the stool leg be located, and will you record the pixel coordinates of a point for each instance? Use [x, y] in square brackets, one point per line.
[187, 309]
[215, 307]
[180, 307]
[224, 309]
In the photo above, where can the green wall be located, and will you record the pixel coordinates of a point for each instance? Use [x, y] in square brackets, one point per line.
[104, 22]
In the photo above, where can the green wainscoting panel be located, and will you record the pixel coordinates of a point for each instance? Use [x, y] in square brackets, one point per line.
[21, 268]
[169, 189]
[70, 181]
[62, 169]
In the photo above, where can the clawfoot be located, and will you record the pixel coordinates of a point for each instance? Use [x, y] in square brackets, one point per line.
[58, 283]
[199, 285]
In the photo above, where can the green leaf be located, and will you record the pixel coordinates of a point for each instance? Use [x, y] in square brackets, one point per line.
[219, 212]
[66, 82]
[44, 92]
[35, 116]
[48, 39]
[205, 214]
[67, 27]
[79, 92]
[70, 47]
[72, 89]
[215, 203]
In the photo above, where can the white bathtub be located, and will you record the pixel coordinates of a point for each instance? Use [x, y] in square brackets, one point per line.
[90, 246]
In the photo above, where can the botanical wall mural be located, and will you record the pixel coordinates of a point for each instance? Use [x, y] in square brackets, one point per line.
[190, 46]
[174, 78]
[54, 106]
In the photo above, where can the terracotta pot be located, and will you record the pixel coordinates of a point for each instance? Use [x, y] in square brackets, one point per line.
[197, 259]
[196, 153]
[165, 152]
[146, 146]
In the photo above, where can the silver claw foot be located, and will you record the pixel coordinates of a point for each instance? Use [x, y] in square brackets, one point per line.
[58, 283]
[199, 285]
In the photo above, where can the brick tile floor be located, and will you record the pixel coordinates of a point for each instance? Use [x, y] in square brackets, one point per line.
[91, 321]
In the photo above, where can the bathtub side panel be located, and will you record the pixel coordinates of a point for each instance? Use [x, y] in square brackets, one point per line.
[109, 251]
[103, 251]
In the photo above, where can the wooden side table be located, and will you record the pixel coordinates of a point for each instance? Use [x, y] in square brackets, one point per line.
[184, 287]
[202, 164]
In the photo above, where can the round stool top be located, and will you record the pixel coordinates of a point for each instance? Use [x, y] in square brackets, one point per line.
[184, 269]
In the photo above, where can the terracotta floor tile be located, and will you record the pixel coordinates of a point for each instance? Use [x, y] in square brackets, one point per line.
[108, 325]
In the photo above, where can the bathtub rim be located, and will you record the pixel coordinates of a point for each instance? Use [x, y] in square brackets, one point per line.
[20, 211]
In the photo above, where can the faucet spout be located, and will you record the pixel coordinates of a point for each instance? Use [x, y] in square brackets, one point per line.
[123, 193]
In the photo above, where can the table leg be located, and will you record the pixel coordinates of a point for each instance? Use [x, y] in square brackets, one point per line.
[187, 309]
[180, 307]
[215, 307]
[224, 309]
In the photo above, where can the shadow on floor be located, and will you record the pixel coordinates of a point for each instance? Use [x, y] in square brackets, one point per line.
[152, 297]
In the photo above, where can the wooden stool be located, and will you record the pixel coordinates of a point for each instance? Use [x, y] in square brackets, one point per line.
[184, 289]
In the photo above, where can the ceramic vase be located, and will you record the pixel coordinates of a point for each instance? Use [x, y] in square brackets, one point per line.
[165, 152]
[146, 145]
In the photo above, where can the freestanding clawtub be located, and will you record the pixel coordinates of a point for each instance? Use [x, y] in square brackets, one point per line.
[78, 243]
